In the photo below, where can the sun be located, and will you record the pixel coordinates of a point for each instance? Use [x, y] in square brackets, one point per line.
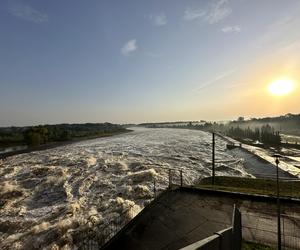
[281, 87]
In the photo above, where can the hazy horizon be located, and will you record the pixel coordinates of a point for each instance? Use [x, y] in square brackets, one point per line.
[144, 122]
[146, 61]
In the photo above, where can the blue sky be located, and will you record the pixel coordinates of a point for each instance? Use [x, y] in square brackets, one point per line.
[139, 61]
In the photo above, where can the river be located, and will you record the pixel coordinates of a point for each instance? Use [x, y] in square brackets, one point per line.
[47, 196]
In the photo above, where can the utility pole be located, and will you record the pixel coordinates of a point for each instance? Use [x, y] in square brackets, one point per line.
[278, 203]
[213, 159]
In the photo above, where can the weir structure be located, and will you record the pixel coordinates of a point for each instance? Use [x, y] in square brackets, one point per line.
[182, 215]
[186, 216]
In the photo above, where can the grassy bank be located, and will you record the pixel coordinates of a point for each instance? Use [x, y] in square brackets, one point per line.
[253, 186]
[250, 246]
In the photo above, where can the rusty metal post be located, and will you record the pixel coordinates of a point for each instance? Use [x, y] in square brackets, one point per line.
[170, 180]
[180, 177]
[154, 188]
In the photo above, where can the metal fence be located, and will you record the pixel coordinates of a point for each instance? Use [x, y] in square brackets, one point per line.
[262, 228]
[260, 219]
[94, 236]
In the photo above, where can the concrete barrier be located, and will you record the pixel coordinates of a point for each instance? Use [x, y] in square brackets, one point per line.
[211, 242]
[221, 240]
[227, 239]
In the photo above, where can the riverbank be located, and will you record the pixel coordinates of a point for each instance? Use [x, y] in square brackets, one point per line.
[257, 166]
[57, 144]
[289, 162]
[261, 145]
[259, 161]
[289, 189]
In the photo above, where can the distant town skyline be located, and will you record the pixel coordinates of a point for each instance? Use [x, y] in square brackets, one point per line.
[74, 61]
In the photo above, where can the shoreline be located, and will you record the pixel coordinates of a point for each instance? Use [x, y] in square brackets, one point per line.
[250, 157]
[264, 155]
[57, 144]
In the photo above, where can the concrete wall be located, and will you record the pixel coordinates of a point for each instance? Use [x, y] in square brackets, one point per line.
[221, 240]
[183, 216]
[227, 239]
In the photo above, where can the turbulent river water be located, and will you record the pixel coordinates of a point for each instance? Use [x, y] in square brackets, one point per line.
[49, 196]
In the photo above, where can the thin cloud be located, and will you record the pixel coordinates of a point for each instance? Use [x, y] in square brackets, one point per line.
[129, 47]
[214, 13]
[278, 31]
[218, 11]
[192, 14]
[28, 13]
[231, 29]
[294, 45]
[217, 79]
[159, 20]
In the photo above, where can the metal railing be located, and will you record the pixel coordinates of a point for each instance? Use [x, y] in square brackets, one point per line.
[94, 236]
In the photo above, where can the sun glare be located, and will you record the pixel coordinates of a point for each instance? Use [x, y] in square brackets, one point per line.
[281, 87]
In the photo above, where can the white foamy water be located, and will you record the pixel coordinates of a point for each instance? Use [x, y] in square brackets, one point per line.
[49, 196]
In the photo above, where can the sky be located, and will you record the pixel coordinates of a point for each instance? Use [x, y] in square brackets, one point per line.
[74, 61]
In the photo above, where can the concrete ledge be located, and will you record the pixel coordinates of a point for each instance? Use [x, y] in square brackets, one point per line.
[253, 197]
[211, 242]
[220, 241]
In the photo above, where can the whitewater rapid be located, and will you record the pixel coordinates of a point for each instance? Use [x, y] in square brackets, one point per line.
[47, 197]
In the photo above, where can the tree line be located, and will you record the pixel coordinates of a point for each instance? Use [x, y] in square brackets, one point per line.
[266, 134]
[42, 134]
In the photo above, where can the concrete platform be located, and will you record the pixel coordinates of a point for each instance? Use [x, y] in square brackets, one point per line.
[183, 216]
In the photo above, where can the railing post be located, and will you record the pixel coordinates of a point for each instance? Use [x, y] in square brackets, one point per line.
[154, 188]
[180, 177]
[236, 229]
[278, 207]
[170, 180]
